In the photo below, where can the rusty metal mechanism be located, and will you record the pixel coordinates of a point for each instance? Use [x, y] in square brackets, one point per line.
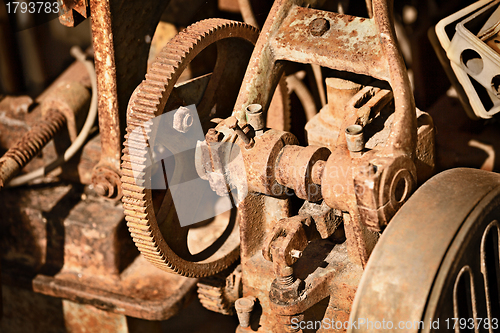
[366, 155]
[308, 133]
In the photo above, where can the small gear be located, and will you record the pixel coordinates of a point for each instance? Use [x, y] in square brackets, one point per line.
[218, 293]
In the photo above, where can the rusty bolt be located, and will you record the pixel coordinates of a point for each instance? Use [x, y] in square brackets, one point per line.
[284, 293]
[244, 307]
[319, 26]
[232, 123]
[104, 188]
[183, 120]
[213, 136]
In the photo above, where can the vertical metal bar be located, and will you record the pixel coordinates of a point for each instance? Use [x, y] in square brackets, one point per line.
[104, 53]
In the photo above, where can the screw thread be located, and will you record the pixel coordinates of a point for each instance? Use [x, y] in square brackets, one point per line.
[286, 280]
[32, 143]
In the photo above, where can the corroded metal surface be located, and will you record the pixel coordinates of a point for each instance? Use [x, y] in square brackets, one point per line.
[64, 103]
[81, 318]
[369, 184]
[142, 292]
[32, 239]
[72, 99]
[290, 264]
[75, 246]
[19, 114]
[350, 43]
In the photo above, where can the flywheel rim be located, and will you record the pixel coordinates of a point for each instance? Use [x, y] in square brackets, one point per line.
[405, 276]
[484, 220]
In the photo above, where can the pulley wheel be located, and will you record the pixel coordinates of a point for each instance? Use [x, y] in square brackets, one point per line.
[437, 260]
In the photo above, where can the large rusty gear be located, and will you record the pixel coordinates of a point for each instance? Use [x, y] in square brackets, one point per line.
[154, 227]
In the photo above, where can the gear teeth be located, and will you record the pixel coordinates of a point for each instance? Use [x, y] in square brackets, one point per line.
[136, 180]
[166, 62]
[142, 237]
[161, 69]
[154, 99]
[130, 144]
[144, 107]
[137, 223]
[133, 188]
[134, 208]
[132, 175]
[151, 90]
[135, 159]
[133, 121]
[138, 110]
[156, 84]
[144, 243]
[135, 168]
[157, 79]
[134, 195]
[140, 216]
[212, 295]
[137, 154]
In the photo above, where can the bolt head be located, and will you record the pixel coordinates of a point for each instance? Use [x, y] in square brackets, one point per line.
[319, 26]
[244, 304]
[213, 136]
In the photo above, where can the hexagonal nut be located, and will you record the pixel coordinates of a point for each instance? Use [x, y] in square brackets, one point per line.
[281, 294]
[183, 119]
